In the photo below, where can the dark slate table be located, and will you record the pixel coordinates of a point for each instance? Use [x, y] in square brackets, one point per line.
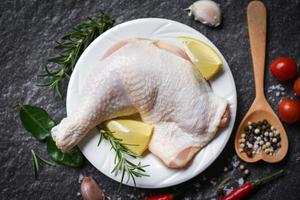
[28, 29]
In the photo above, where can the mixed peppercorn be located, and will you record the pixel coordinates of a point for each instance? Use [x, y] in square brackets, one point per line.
[259, 136]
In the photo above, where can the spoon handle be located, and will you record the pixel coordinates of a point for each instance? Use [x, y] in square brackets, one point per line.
[257, 27]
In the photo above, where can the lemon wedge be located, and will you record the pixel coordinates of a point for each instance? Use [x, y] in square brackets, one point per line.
[134, 133]
[203, 56]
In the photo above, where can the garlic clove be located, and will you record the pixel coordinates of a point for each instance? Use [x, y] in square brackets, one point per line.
[207, 12]
[90, 189]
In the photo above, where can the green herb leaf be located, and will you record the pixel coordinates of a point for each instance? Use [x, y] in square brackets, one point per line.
[73, 158]
[36, 121]
[71, 47]
[122, 163]
[37, 162]
[43, 160]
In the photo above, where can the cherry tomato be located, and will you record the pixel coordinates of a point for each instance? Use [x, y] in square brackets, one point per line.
[297, 86]
[289, 110]
[284, 68]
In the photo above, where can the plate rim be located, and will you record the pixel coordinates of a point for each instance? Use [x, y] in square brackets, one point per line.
[234, 106]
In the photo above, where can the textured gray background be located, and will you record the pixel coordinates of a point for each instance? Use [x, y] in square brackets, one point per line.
[28, 29]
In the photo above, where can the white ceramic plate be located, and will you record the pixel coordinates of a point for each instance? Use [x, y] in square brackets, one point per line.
[102, 157]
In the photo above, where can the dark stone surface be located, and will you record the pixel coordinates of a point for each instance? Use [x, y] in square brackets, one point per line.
[28, 29]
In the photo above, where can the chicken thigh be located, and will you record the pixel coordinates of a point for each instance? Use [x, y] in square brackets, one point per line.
[159, 82]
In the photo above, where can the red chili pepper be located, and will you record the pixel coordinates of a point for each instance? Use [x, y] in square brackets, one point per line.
[248, 188]
[174, 196]
[161, 197]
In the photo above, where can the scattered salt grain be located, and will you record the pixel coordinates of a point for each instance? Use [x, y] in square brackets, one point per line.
[80, 178]
[276, 90]
[241, 181]
[228, 190]
[131, 196]
[235, 162]
[203, 178]
[197, 185]
[78, 194]
[213, 182]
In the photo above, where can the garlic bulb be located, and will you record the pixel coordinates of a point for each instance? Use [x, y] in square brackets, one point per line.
[207, 12]
[90, 189]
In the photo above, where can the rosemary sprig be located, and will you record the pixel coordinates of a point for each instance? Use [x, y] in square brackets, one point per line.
[37, 161]
[122, 164]
[71, 46]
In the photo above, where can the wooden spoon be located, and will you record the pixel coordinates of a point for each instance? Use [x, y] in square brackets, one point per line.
[260, 109]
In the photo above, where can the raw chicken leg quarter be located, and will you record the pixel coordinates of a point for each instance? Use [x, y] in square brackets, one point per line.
[158, 81]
